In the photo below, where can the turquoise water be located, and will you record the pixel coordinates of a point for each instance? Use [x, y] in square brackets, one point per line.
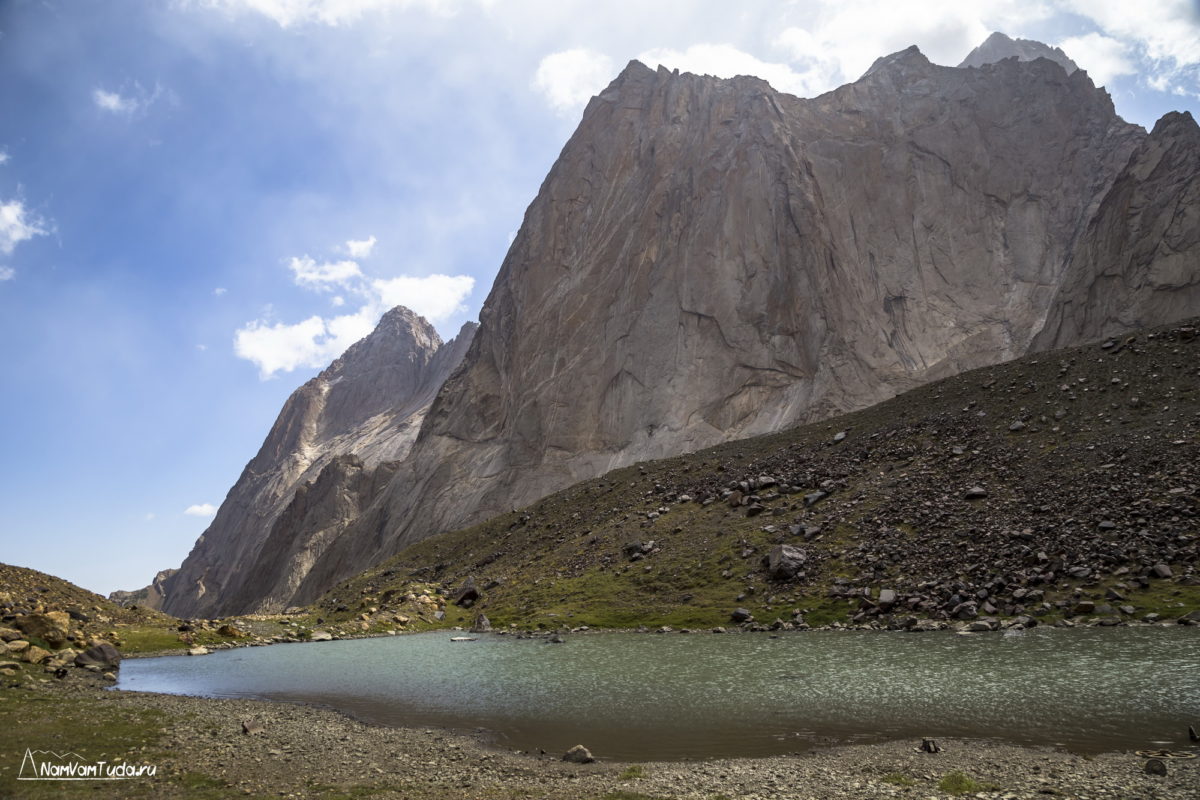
[651, 697]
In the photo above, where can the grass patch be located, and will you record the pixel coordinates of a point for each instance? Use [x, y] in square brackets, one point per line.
[32, 719]
[633, 772]
[960, 783]
[899, 779]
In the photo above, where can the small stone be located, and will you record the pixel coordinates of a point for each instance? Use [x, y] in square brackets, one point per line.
[930, 746]
[1155, 766]
[839, 436]
[578, 755]
[1017, 426]
[250, 727]
[976, 493]
[1161, 571]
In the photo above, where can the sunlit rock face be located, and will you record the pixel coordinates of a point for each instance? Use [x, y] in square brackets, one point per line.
[711, 259]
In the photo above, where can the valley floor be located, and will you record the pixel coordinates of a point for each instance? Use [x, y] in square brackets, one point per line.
[200, 751]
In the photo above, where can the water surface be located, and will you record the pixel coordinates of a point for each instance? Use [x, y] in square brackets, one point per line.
[650, 697]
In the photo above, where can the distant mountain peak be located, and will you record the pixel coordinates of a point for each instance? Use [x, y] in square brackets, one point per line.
[998, 47]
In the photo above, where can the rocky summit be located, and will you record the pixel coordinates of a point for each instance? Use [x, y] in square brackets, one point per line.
[710, 260]
[336, 442]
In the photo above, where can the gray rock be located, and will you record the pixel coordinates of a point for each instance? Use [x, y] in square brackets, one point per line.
[741, 615]
[101, 654]
[784, 561]
[1155, 766]
[321, 636]
[578, 755]
[482, 624]
[1161, 571]
[975, 493]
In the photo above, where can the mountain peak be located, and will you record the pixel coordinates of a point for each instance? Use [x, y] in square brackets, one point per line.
[908, 57]
[998, 47]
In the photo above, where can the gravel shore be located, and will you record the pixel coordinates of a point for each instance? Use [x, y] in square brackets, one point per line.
[303, 751]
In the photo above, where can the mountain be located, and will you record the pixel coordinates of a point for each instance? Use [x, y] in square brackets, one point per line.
[148, 596]
[998, 47]
[711, 259]
[1054, 485]
[338, 435]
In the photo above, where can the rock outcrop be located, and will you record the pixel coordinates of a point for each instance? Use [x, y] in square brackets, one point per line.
[711, 259]
[1138, 262]
[148, 596]
[998, 47]
[336, 442]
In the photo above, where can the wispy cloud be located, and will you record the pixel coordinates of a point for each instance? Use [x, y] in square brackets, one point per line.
[275, 346]
[360, 248]
[326, 12]
[7, 274]
[114, 102]
[17, 225]
[201, 510]
[324, 276]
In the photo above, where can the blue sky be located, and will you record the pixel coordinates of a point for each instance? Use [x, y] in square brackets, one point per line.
[203, 201]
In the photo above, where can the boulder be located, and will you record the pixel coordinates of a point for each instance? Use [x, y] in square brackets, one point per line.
[784, 561]
[467, 594]
[320, 636]
[482, 624]
[101, 655]
[1161, 571]
[578, 755]
[51, 627]
[35, 655]
[741, 615]
[231, 631]
[198, 651]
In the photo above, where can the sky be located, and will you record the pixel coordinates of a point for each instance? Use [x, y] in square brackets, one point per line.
[203, 202]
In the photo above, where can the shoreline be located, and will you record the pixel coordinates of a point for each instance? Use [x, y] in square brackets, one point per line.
[307, 750]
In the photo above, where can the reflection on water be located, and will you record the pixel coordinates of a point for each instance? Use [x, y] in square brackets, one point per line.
[645, 697]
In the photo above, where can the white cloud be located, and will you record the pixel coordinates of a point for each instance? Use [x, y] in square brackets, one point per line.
[323, 277]
[149, 515]
[220, 290]
[328, 12]
[114, 102]
[570, 78]
[360, 248]
[1166, 32]
[201, 347]
[7, 274]
[337, 301]
[311, 343]
[434, 297]
[201, 510]
[726, 61]
[17, 225]
[1103, 58]
[3, 156]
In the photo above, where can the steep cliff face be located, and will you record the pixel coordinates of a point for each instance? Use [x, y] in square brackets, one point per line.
[1138, 263]
[337, 437]
[710, 259]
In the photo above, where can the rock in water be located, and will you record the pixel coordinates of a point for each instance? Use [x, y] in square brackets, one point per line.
[749, 261]
[578, 755]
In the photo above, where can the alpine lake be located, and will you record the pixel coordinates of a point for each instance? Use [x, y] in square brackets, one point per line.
[643, 697]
